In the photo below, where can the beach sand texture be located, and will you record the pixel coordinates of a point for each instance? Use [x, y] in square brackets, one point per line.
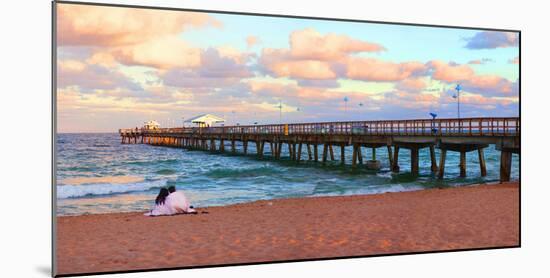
[293, 229]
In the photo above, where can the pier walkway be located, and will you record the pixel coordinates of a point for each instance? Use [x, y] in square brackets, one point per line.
[319, 140]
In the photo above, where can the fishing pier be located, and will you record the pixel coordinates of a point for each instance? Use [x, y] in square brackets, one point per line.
[317, 141]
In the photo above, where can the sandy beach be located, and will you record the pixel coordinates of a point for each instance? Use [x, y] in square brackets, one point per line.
[293, 229]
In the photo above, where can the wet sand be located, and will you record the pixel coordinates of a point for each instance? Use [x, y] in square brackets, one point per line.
[292, 229]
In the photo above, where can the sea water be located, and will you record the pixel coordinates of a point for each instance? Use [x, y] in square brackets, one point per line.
[97, 174]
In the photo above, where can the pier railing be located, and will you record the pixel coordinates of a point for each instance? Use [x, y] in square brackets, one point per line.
[419, 127]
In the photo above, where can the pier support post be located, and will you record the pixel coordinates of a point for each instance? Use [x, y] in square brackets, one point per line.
[279, 149]
[309, 152]
[462, 164]
[299, 152]
[414, 161]
[433, 159]
[390, 156]
[505, 166]
[294, 151]
[325, 152]
[395, 166]
[342, 154]
[442, 157]
[315, 152]
[271, 149]
[359, 154]
[354, 156]
[289, 150]
[222, 146]
[259, 149]
[212, 145]
[331, 151]
[245, 147]
[233, 148]
[482, 167]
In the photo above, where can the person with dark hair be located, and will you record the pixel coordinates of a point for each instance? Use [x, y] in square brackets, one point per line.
[162, 205]
[178, 201]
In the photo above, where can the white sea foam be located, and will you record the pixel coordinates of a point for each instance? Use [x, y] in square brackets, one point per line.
[74, 191]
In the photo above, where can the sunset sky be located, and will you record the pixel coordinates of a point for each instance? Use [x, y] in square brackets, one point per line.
[120, 67]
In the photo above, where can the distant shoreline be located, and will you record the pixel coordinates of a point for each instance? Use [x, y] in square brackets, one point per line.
[69, 133]
[465, 217]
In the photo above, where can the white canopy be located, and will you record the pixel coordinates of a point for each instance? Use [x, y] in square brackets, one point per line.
[151, 124]
[205, 119]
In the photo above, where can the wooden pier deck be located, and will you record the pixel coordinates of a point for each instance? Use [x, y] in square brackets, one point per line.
[318, 140]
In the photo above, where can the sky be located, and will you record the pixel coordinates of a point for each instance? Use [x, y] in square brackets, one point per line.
[120, 67]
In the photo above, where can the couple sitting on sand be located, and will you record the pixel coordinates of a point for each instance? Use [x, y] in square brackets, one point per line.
[170, 202]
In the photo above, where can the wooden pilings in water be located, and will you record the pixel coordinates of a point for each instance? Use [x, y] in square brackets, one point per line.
[482, 167]
[433, 159]
[325, 152]
[296, 144]
[462, 164]
[315, 153]
[415, 158]
[463, 149]
[390, 156]
[342, 154]
[505, 165]
[395, 165]
[414, 161]
[442, 157]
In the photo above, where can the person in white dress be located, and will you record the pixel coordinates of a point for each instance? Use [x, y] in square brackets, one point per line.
[178, 201]
[162, 205]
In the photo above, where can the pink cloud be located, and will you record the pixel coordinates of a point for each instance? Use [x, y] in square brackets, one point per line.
[162, 53]
[371, 69]
[91, 77]
[407, 99]
[470, 81]
[514, 61]
[114, 26]
[307, 95]
[311, 45]
[281, 64]
[450, 72]
[412, 84]
[313, 55]
[215, 71]
[306, 69]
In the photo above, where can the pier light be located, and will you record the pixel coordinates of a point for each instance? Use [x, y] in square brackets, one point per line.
[458, 88]
[434, 115]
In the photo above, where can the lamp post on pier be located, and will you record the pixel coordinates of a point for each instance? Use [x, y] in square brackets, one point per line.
[458, 88]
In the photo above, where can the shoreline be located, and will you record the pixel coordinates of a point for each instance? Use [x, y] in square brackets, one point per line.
[471, 216]
[290, 198]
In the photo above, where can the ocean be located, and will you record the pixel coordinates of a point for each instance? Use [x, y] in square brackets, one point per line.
[98, 174]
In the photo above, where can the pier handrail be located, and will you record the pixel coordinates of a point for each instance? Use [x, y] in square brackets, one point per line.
[494, 126]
